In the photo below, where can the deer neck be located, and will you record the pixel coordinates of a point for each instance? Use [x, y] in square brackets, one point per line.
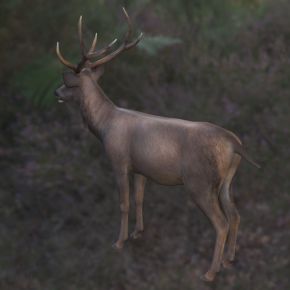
[96, 107]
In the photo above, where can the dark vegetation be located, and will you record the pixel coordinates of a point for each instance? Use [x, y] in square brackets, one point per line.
[227, 62]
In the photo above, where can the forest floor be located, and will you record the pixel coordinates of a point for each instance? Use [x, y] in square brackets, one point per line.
[59, 217]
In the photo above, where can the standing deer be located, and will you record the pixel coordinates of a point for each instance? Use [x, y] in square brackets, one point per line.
[201, 156]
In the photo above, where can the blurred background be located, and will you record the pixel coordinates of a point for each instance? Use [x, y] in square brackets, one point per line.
[226, 62]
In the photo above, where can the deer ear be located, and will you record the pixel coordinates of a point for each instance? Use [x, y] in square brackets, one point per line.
[70, 79]
[98, 72]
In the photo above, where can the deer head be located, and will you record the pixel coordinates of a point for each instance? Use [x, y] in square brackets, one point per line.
[91, 63]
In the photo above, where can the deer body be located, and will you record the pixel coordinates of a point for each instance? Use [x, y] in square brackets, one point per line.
[201, 156]
[165, 149]
[162, 149]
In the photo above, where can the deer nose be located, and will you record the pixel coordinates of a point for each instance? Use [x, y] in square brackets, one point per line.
[56, 93]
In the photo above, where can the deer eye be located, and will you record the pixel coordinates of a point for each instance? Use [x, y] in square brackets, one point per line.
[68, 85]
[70, 79]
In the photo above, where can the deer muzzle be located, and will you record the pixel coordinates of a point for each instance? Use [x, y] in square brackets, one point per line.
[60, 94]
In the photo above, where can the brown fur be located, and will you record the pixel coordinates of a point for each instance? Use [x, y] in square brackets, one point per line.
[201, 156]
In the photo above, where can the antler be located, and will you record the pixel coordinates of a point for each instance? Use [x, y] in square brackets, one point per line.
[94, 43]
[63, 60]
[124, 46]
[80, 31]
[102, 51]
[66, 62]
[92, 53]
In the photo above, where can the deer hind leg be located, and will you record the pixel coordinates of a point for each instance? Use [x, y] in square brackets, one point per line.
[139, 186]
[207, 201]
[231, 213]
[123, 187]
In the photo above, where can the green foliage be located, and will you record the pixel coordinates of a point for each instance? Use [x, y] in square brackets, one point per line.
[36, 74]
[59, 205]
[38, 80]
[153, 44]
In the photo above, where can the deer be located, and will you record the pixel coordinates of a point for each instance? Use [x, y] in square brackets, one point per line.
[199, 155]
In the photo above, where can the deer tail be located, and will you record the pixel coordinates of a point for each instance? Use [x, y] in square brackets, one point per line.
[241, 151]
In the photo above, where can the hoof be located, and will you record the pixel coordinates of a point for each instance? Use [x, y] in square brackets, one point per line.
[136, 235]
[208, 277]
[118, 246]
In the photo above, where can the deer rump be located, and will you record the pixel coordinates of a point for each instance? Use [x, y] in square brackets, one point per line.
[168, 150]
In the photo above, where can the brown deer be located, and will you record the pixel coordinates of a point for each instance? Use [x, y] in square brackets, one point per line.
[202, 156]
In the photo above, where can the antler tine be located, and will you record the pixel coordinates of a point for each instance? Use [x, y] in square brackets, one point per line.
[134, 42]
[124, 46]
[63, 60]
[93, 46]
[80, 31]
[129, 31]
[127, 37]
[102, 51]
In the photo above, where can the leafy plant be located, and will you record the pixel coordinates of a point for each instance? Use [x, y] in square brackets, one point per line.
[38, 80]
[153, 44]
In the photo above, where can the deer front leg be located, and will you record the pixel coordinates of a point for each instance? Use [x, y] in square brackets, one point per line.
[139, 186]
[123, 187]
